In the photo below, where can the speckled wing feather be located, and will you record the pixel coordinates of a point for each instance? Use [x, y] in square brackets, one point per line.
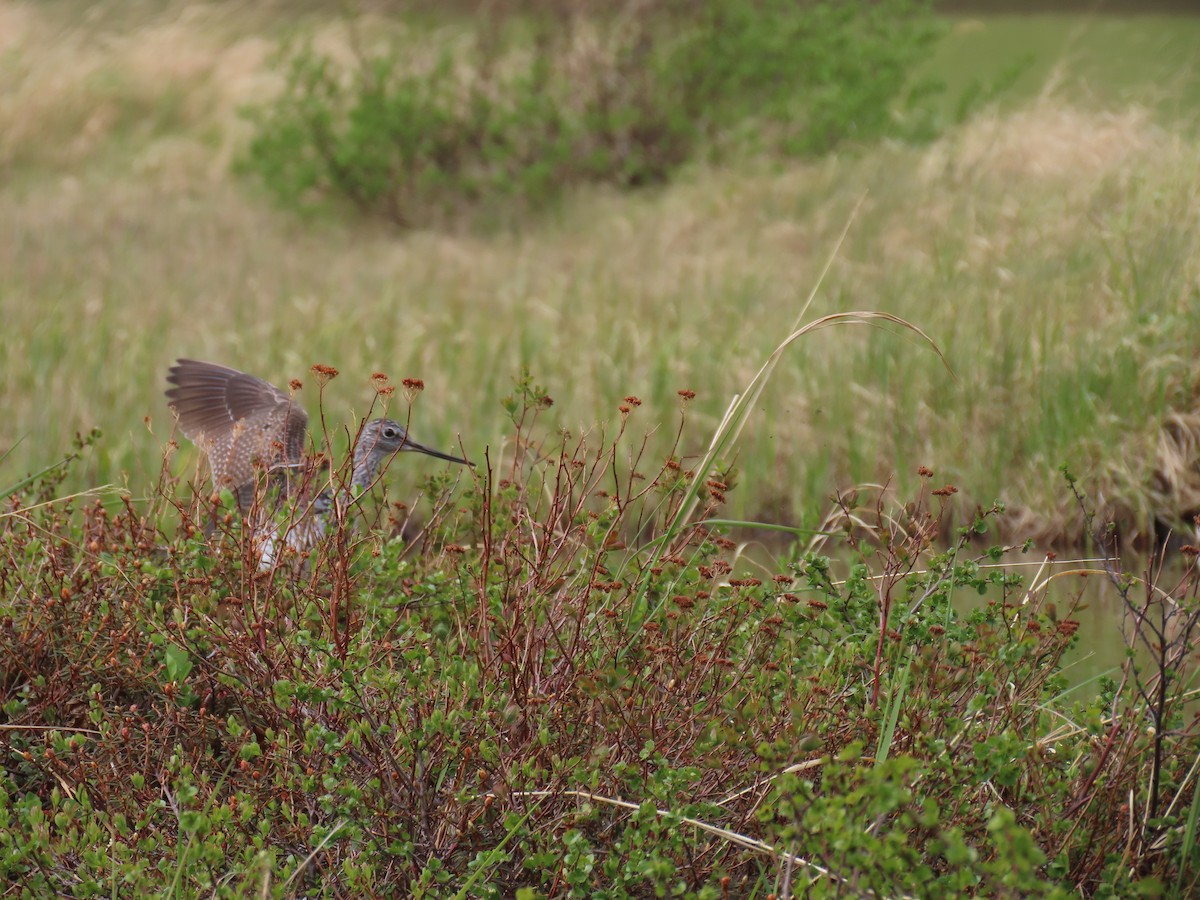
[242, 423]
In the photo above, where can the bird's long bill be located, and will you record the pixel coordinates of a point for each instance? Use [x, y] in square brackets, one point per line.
[410, 444]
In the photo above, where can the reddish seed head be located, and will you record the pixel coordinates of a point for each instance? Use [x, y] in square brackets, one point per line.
[323, 373]
[378, 379]
[686, 395]
[633, 401]
[386, 391]
[295, 384]
[624, 410]
[945, 491]
[412, 387]
[1186, 550]
[925, 471]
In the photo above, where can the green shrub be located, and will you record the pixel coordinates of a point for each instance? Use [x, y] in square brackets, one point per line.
[620, 98]
[819, 73]
[520, 704]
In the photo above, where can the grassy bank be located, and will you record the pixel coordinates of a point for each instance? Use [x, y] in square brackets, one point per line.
[1050, 251]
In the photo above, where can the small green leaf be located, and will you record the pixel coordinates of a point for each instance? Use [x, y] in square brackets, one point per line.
[179, 663]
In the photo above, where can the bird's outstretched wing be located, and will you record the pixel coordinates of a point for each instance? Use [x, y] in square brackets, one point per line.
[243, 424]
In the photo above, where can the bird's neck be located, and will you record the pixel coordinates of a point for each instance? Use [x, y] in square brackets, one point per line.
[366, 465]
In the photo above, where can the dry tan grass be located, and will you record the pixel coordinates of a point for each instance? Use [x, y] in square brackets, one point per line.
[73, 87]
[18, 25]
[1175, 486]
[1050, 141]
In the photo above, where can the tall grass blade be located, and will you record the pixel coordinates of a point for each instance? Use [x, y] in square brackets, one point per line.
[895, 702]
[1188, 852]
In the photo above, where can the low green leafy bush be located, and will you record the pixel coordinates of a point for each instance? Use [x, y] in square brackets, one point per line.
[622, 97]
[560, 688]
[817, 74]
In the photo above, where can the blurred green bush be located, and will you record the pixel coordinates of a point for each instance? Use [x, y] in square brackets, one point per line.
[573, 95]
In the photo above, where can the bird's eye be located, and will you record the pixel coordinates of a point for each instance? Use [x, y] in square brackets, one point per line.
[389, 432]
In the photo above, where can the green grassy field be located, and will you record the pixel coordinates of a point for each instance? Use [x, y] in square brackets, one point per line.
[1098, 60]
[1049, 249]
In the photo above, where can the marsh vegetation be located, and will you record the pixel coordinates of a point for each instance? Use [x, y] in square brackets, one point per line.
[560, 675]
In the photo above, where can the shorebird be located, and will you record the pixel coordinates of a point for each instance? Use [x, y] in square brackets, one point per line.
[248, 429]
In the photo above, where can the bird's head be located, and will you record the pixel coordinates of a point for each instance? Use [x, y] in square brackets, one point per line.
[381, 438]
